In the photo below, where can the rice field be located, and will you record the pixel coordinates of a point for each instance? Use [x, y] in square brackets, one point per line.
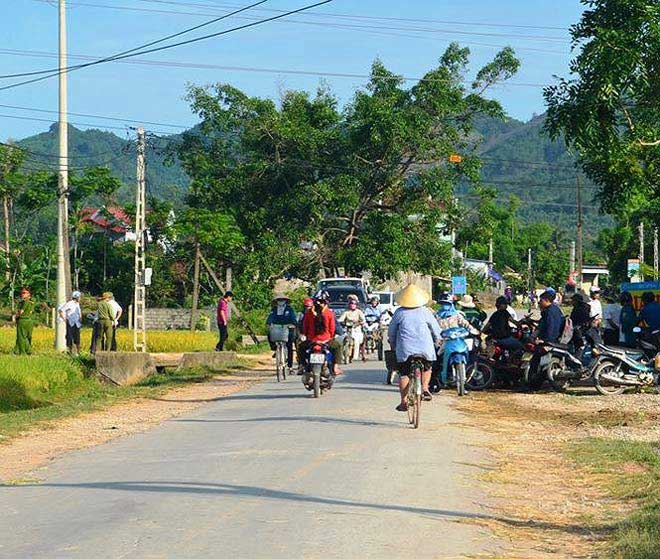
[170, 341]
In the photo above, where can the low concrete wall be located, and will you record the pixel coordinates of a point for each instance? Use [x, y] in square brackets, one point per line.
[124, 368]
[214, 360]
[175, 319]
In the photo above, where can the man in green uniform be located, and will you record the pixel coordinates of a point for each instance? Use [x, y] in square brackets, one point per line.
[106, 314]
[24, 323]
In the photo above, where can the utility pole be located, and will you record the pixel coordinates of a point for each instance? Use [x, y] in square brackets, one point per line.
[571, 264]
[580, 263]
[641, 251]
[140, 297]
[195, 293]
[490, 253]
[529, 270]
[655, 253]
[63, 182]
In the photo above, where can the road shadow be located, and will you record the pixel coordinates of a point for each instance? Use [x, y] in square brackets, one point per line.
[239, 397]
[255, 492]
[302, 418]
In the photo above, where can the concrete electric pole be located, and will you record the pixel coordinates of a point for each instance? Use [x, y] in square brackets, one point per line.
[655, 254]
[63, 182]
[140, 298]
[580, 263]
[641, 251]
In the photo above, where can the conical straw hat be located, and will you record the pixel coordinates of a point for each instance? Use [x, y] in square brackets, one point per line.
[412, 297]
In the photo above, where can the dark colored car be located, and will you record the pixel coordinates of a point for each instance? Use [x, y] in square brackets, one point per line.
[339, 298]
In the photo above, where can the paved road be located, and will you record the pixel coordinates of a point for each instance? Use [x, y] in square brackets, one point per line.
[268, 473]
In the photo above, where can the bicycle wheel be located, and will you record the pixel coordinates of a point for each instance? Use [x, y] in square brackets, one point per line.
[283, 359]
[411, 400]
[278, 361]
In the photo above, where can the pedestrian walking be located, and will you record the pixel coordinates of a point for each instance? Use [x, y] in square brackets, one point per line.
[106, 319]
[71, 314]
[223, 319]
[118, 312]
[24, 323]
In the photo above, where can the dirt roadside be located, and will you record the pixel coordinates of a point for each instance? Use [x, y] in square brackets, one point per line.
[46, 442]
[562, 510]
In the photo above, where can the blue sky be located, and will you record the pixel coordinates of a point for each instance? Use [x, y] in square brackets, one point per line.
[409, 43]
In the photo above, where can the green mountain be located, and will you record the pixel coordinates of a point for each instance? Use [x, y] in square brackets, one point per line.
[100, 148]
[518, 159]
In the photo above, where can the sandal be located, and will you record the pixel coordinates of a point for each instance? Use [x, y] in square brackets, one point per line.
[402, 407]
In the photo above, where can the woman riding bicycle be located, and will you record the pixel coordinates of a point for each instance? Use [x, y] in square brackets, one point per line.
[413, 333]
[283, 315]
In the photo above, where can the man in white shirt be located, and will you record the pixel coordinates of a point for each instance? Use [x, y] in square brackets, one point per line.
[611, 321]
[70, 313]
[596, 305]
[118, 312]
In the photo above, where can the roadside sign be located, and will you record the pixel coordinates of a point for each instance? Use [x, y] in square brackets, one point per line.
[455, 158]
[633, 267]
[459, 285]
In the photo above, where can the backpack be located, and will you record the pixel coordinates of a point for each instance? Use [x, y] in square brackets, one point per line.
[566, 331]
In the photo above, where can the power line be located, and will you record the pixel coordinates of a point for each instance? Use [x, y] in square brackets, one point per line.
[140, 47]
[365, 29]
[200, 66]
[382, 18]
[165, 47]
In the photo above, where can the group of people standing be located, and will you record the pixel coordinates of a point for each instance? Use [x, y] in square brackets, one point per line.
[105, 322]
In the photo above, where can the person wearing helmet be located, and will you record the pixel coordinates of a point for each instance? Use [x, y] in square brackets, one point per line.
[355, 316]
[413, 332]
[319, 326]
[448, 317]
[71, 315]
[373, 312]
[499, 328]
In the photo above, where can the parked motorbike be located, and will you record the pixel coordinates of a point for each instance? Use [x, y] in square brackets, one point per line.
[318, 376]
[567, 365]
[623, 368]
[459, 355]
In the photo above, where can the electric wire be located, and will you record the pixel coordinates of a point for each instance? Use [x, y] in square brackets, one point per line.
[166, 47]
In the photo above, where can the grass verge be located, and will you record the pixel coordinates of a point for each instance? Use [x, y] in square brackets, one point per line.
[630, 471]
[41, 388]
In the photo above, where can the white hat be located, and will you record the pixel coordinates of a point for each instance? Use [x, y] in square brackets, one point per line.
[76, 295]
[467, 302]
[594, 289]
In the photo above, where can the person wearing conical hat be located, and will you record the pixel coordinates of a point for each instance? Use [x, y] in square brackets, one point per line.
[283, 315]
[413, 332]
[24, 323]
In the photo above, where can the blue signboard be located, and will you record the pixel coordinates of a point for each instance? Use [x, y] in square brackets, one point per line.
[459, 285]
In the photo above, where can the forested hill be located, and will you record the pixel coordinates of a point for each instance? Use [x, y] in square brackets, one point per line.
[96, 147]
[518, 159]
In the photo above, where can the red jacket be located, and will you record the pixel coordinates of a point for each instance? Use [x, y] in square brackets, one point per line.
[309, 326]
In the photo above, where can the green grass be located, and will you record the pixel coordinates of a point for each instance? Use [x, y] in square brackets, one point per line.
[35, 389]
[633, 469]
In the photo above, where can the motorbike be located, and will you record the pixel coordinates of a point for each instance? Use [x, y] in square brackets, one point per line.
[567, 365]
[649, 341]
[318, 376]
[459, 356]
[373, 337]
[623, 368]
[510, 370]
[349, 342]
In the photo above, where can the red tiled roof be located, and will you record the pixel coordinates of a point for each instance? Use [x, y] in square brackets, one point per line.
[120, 222]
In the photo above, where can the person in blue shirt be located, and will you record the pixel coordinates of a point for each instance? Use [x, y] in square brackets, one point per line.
[549, 331]
[650, 313]
[413, 332]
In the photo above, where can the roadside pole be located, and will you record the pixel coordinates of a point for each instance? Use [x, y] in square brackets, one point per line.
[62, 182]
[195, 293]
[140, 294]
[655, 253]
[580, 262]
[641, 251]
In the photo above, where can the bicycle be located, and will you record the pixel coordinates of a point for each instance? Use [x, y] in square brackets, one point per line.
[414, 397]
[279, 335]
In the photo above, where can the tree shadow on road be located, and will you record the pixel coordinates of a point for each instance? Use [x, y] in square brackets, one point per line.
[304, 418]
[239, 397]
[255, 492]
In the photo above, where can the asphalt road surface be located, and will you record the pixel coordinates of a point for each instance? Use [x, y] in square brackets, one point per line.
[267, 473]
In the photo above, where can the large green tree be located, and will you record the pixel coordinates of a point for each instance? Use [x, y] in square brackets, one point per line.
[312, 186]
[609, 109]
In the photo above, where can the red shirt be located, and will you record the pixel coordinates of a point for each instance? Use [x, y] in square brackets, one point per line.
[309, 326]
[223, 311]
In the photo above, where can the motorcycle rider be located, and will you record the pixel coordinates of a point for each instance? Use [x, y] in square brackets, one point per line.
[448, 317]
[413, 332]
[373, 312]
[356, 316]
[319, 326]
[583, 319]
[650, 313]
[469, 308]
[549, 331]
[596, 305]
[499, 328]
